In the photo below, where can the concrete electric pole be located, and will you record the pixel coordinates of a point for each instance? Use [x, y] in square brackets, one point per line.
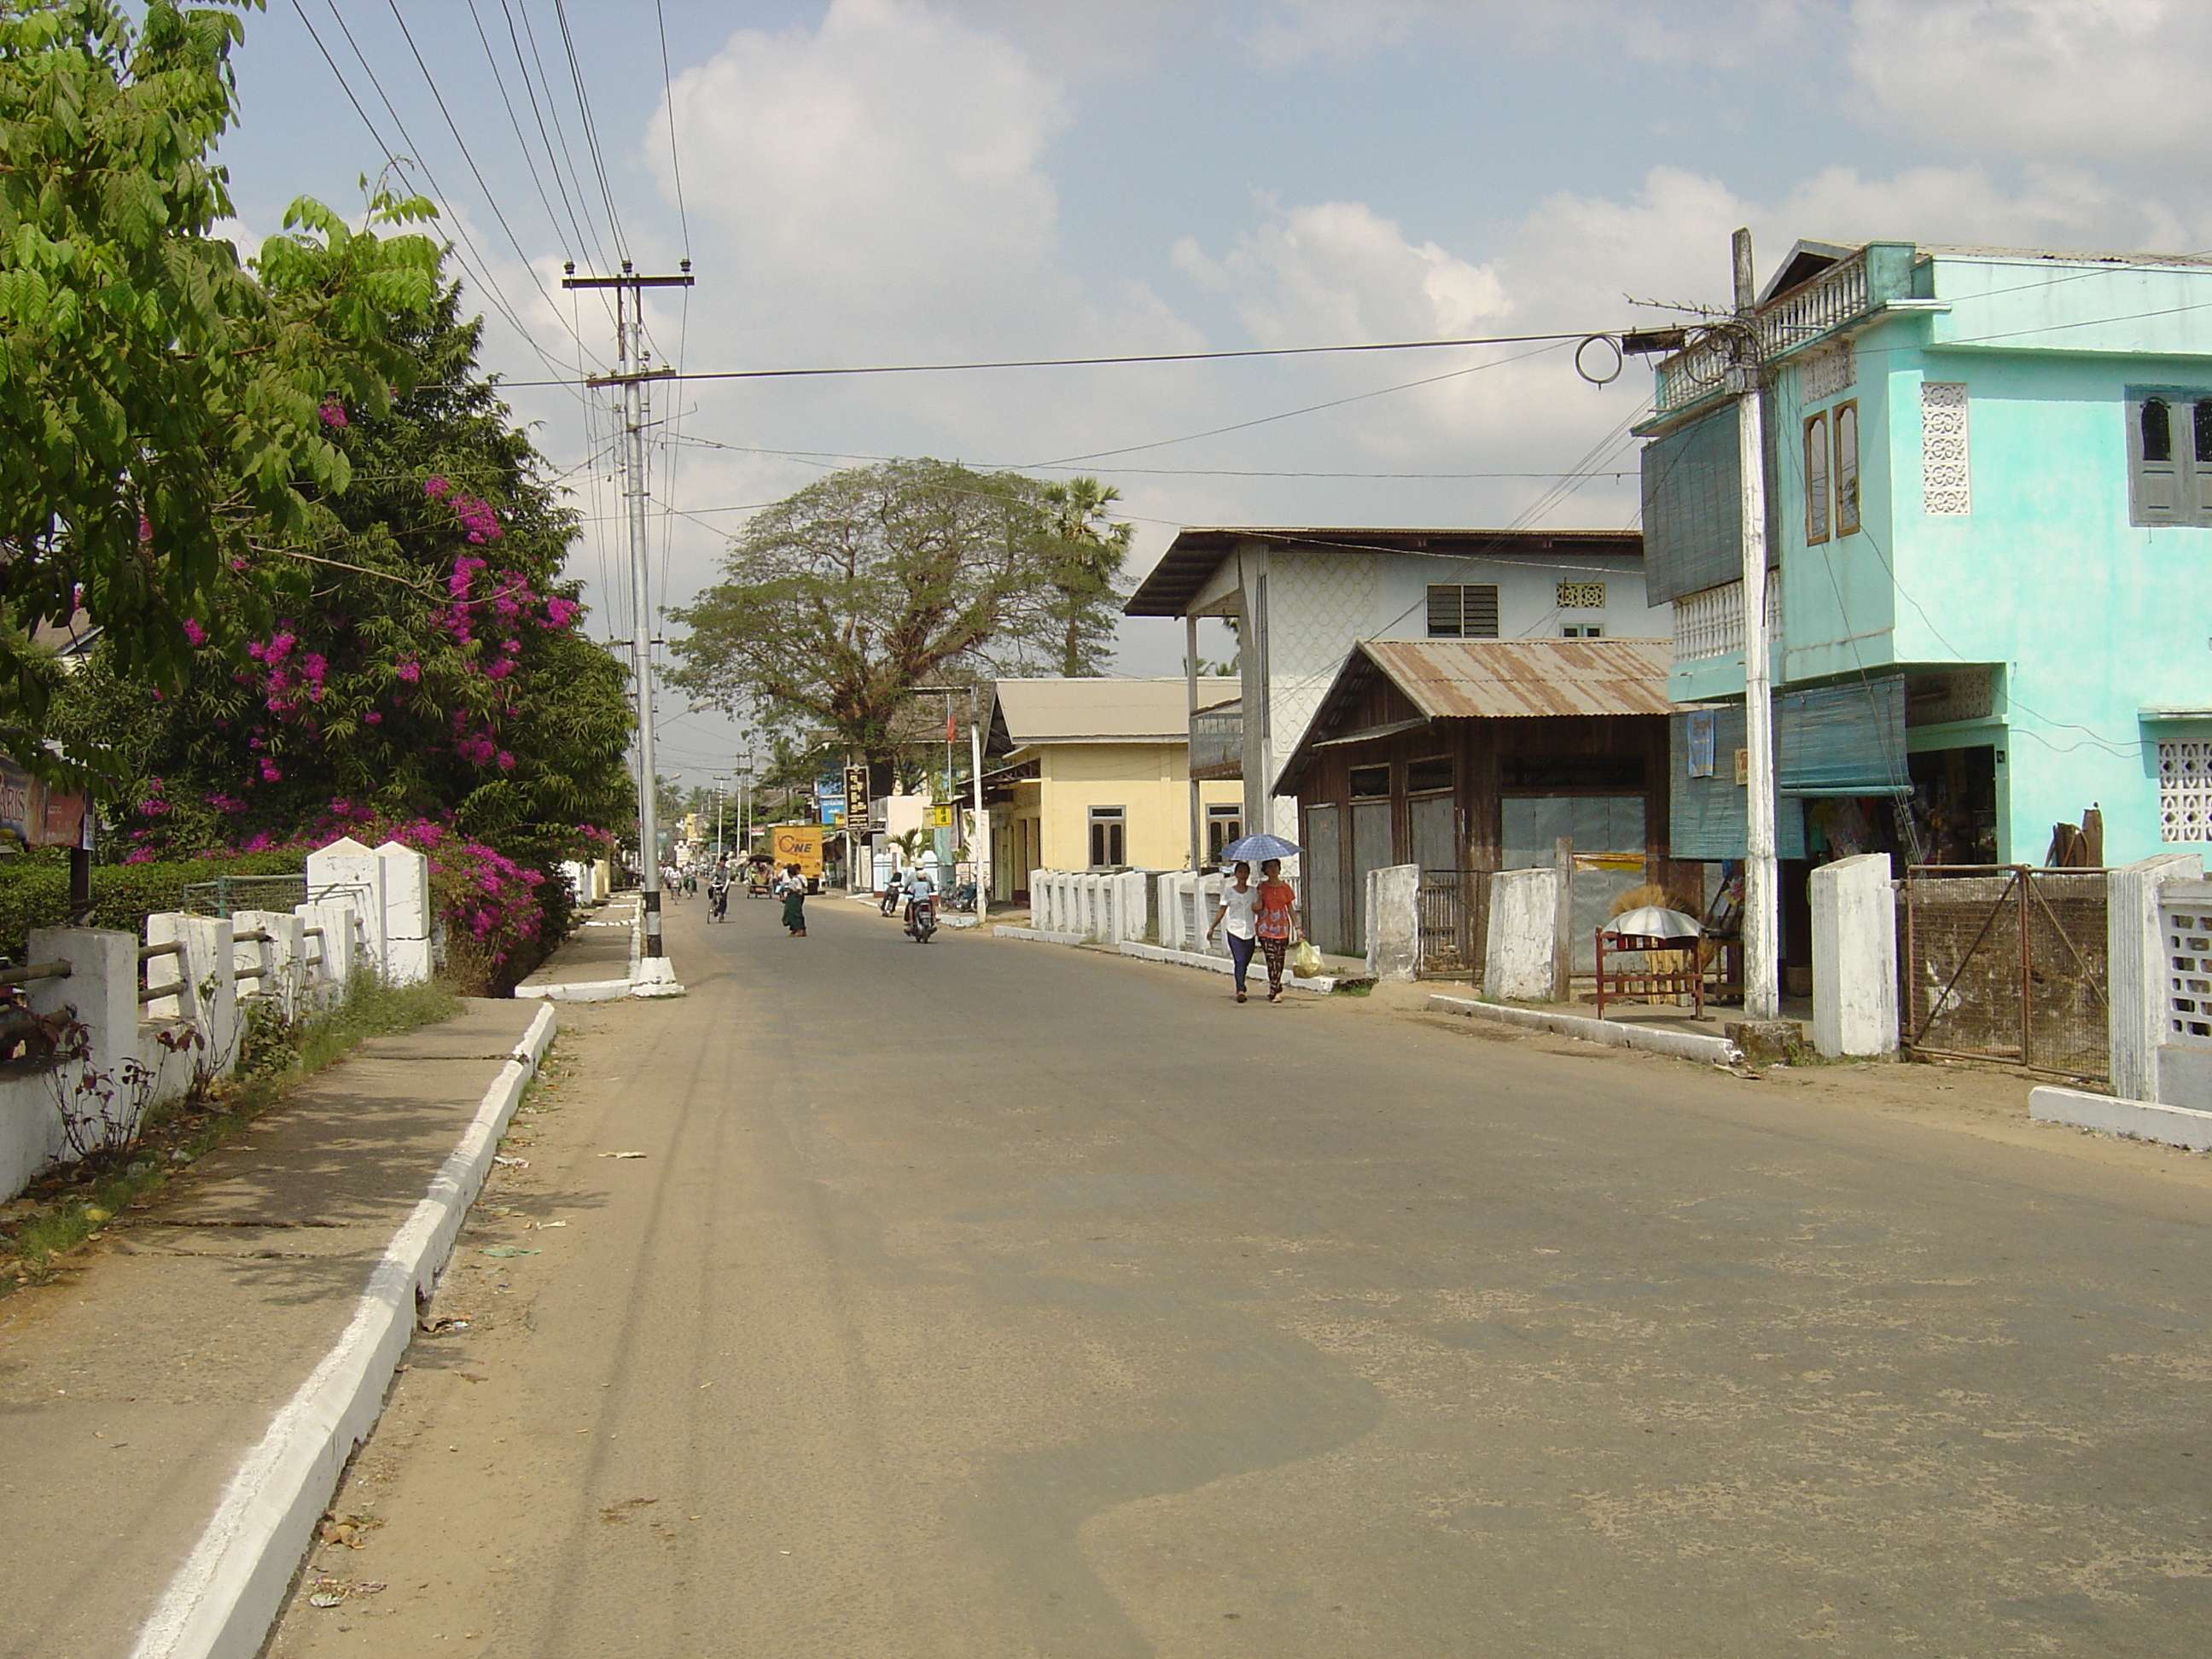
[633, 371]
[1762, 915]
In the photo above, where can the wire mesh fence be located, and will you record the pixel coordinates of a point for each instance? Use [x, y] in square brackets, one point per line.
[2006, 963]
[227, 894]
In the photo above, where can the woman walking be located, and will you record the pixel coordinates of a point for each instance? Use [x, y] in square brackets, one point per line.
[1275, 921]
[1240, 900]
[793, 888]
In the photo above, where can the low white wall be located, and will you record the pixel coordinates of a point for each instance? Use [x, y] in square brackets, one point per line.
[1108, 908]
[1524, 921]
[1854, 957]
[122, 1054]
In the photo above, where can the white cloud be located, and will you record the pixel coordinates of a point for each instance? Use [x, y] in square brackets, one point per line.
[2084, 78]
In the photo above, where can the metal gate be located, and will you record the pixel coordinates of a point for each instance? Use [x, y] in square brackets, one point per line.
[1454, 909]
[2006, 961]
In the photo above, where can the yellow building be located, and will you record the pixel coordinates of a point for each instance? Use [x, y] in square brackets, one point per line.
[1094, 774]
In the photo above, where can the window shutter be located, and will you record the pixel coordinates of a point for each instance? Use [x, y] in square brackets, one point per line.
[2155, 479]
[1481, 612]
[1443, 613]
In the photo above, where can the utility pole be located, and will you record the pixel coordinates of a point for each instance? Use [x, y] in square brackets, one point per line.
[1762, 915]
[633, 370]
[980, 844]
[718, 821]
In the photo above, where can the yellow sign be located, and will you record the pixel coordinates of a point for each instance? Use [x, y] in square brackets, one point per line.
[940, 817]
[799, 844]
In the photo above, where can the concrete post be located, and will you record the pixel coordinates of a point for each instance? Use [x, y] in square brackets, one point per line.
[1854, 957]
[406, 914]
[102, 989]
[1394, 922]
[281, 981]
[1523, 918]
[329, 955]
[347, 870]
[2136, 974]
[209, 998]
[1040, 901]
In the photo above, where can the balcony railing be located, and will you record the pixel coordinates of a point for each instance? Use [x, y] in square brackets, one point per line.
[1837, 296]
[1216, 742]
[1711, 623]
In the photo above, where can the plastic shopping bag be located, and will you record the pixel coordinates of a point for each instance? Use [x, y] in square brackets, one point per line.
[1305, 961]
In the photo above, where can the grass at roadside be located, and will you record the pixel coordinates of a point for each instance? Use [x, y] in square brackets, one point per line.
[70, 1205]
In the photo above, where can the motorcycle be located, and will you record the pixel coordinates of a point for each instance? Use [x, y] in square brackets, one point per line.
[718, 903]
[891, 904]
[922, 922]
[964, 897]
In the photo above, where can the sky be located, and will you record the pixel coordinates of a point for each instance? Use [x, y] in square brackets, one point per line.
[863, 182]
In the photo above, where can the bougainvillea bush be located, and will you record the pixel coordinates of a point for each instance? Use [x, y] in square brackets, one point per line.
[426, 677]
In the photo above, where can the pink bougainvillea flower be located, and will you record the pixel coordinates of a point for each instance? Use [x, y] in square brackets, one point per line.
[194, 632]
[270, 773]
[332, 413]
[506, 763]
[410, 670]
[139, 855]
[437, 489]
[372, 717]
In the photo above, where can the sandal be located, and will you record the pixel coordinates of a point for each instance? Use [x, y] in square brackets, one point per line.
[1239, 996]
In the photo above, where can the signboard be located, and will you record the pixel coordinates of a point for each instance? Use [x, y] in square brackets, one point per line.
[799, 844]
[40, 816]
[1701, 728]
[940, 817]
[830, 799]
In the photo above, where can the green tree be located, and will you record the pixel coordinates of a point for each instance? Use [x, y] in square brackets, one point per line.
[162, 401]
[837, 602]
[1085, 552]
[426, 667]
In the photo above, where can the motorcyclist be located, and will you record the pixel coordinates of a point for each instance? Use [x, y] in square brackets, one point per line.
[890, 903]
[718, 893]
[921, 886]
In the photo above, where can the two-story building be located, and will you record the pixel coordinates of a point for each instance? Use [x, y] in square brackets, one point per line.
[1300, 599]
[1989, 496]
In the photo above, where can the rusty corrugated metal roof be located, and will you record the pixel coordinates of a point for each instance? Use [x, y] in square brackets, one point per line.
[1525, 679]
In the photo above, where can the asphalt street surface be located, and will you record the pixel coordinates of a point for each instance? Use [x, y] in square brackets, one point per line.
[990, 1298]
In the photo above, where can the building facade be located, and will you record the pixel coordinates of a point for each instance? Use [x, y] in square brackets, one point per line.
[1302, 598]
[1989, 497]
[1093, 774]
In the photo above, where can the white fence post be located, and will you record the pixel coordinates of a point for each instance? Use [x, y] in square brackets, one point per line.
[347, 869]
[2136, 973]
[1523, 923]
[1854, 958]
[1394, 922]
[407, 958]
[209, 1002]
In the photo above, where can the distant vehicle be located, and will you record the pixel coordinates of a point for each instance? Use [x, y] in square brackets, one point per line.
[921, 919]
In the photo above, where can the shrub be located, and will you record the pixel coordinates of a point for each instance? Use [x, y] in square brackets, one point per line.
[34, 889]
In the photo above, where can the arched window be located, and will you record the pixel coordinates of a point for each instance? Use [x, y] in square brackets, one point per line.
[1847, 469]
[1816, 478]
[2157, 430]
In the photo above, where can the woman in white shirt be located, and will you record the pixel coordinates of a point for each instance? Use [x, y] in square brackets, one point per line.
[1238, 900]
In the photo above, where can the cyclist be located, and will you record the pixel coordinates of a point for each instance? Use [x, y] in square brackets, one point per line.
[717, 893]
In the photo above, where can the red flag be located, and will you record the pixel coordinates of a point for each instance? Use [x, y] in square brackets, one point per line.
[950, 733]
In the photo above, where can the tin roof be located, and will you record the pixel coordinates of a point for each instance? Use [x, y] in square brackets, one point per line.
[1196, 553]
[1492, 679]
[1092, 711]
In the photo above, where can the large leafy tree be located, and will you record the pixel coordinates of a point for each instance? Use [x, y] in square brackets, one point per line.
[160, 400]
[837, 602]
[424, 662]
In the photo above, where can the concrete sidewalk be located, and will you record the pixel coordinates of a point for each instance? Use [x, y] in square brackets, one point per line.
[217, 1330]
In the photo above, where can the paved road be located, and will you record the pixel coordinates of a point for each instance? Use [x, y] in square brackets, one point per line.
[1000, 1299]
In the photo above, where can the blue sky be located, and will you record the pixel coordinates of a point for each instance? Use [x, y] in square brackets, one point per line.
[900, 180]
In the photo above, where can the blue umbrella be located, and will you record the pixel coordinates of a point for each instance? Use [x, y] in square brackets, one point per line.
[1258, 849]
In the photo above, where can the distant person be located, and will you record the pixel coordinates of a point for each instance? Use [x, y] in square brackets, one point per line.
[792, 886]
[1238, 912]
[1275, 921]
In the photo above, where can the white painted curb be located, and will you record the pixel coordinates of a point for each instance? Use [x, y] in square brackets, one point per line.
[1319, 984]
[2138, 1120]
[1682, 1045]
[1041, 935]
[221, 1602]
[577, 990]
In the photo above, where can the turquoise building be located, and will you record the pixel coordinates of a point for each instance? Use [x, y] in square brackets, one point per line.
[1990, 515]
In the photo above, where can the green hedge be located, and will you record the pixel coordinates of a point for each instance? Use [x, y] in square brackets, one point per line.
[34, 889]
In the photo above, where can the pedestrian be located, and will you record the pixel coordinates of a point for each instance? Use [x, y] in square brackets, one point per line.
[1240, 902]
[1275, 921]
[793, 888]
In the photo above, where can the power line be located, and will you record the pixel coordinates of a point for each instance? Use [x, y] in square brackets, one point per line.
[514, 121]
[1289, 414]
[481, 271]
[491, 199]
[591, 129]
[580, 206]
[668, 95]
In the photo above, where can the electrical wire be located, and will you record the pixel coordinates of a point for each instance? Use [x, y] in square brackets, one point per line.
[668, 97]
[591, 129]
[514, 122]
[480, 271]
[580, 207]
